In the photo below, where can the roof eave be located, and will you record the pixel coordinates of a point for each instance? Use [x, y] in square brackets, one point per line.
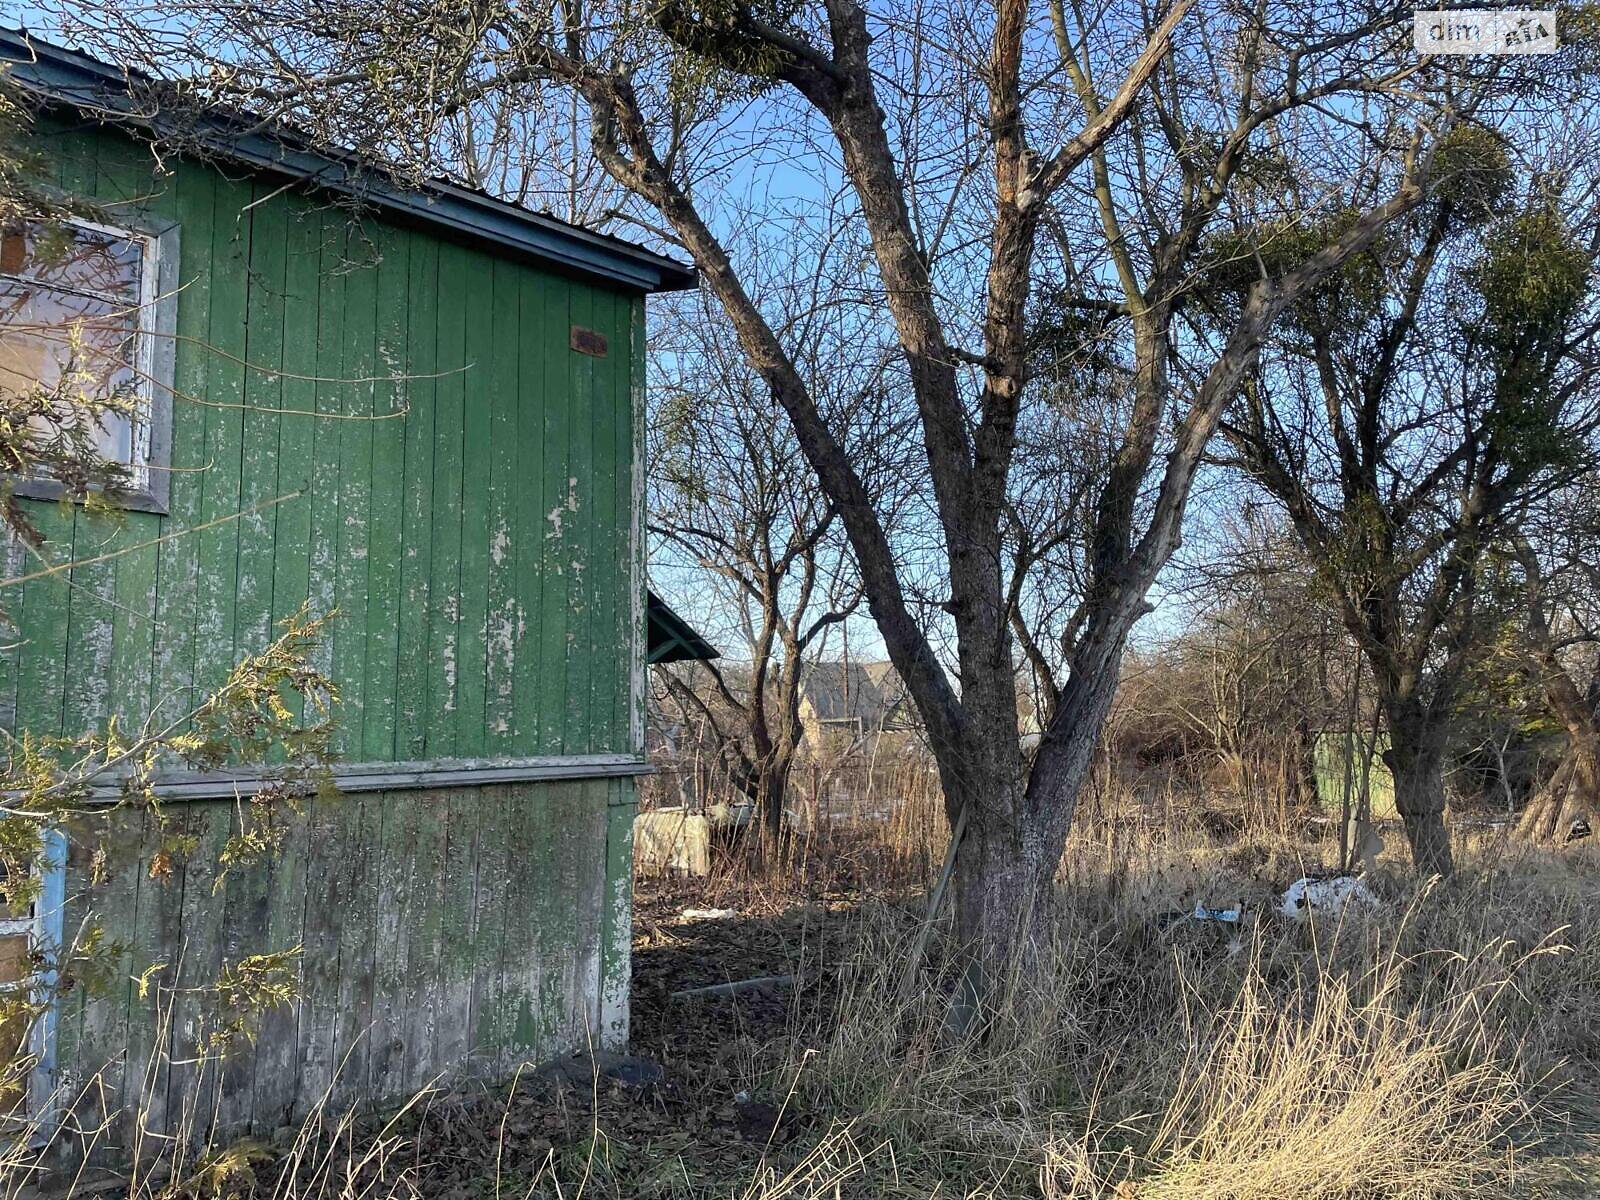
[675, 639]
[63, 77]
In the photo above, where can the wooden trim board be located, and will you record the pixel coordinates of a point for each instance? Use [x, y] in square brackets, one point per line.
[398, 776]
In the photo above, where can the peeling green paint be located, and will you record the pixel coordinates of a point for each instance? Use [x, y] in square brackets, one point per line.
[480, 535]
[418, 510]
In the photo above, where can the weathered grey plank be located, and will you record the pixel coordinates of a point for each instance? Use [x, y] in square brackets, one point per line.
[158, 931]
[420, 998]
[616, 934]
[452, 1034]
[327, 887]
[360, 819]
[193, 1077]
[400, 879]
[489, 902]
[248, 900]
[277, 1049]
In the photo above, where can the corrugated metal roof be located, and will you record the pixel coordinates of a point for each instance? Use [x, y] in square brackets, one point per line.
[58, 75]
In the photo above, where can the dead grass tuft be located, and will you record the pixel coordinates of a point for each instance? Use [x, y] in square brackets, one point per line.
[1407, 1052]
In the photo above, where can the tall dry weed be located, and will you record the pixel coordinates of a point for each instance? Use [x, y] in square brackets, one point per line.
[1408, 1051]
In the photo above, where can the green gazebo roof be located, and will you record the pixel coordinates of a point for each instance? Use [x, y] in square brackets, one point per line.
[672, 639]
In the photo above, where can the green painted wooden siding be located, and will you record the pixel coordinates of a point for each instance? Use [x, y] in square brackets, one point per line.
[477, 548]
[447, 935]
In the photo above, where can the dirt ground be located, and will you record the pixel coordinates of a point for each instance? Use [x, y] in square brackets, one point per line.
[681, 943]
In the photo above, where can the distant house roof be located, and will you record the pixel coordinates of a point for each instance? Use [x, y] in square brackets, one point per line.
[870, 693]
[672, 639]
[60, 76]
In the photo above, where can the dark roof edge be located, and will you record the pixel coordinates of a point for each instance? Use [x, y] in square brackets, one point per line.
[63, 76]
[671, 638]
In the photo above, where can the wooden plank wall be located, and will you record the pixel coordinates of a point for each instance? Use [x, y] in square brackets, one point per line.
[473, 538]
[477, 551]
[447, 935]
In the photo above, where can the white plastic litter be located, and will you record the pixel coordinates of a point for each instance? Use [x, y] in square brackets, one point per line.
[1229, 916]
[708, 914]
[1325, 897]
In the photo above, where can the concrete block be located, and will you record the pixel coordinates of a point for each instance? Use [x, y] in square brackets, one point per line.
[672, 839]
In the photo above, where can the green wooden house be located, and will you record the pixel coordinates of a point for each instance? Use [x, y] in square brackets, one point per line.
[463, 902]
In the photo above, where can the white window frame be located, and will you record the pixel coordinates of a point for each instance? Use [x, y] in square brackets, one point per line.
[154, 347]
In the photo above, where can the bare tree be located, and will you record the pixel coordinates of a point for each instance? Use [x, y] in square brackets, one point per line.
[732, 500]
[955, 141]
[1260, 672]
[1555, 644]
[1415, 405]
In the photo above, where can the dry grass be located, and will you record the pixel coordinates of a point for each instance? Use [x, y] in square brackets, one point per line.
[1328, 1087]
[1347, 1092]
[1438, 1046]
[1421, 1050]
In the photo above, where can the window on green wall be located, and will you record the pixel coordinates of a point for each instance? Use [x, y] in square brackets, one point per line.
[80, 309]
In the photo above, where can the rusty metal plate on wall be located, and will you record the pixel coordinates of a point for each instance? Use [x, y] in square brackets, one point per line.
[588, 341]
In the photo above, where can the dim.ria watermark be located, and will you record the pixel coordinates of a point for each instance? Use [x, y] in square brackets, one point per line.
[1485, 31]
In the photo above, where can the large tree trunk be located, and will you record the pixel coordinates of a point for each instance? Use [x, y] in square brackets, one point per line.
[772, 800]
[1002, 881]
[772, 796]
[1566, 807]
[1564, 810]
[1416, 760]
[1018, 820]
[1000, 917]
[1016, 832]
[992, 878]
